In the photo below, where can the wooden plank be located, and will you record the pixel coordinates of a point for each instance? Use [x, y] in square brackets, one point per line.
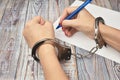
[56, 9]
[16, 62]
[3, 4]
[11, 38]
[63, 4]
[53, 10]
[97, 67]
[102, 3]
[6, 47]
[32, 70]
[115, 4]
[44, 9]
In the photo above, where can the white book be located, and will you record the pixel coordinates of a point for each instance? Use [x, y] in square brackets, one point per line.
[111, 18]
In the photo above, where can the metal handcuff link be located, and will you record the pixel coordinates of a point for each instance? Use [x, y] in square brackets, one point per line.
[64, 52]
[98, 39]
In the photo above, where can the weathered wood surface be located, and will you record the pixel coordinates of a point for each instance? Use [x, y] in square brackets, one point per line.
[16, 62]
[97, 67]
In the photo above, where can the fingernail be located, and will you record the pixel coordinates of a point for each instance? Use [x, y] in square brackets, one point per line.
[69, 29]
[66, 33]
[63, 28]
[60, 24]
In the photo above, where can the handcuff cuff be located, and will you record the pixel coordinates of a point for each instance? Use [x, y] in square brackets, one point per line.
[64, 51]
[98, 39]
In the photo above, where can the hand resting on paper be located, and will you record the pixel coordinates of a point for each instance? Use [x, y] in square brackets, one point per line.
[84, 22]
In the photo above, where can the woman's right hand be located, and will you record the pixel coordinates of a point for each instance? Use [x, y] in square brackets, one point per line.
[83, 22]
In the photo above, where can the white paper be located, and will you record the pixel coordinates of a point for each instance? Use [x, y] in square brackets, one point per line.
[111, 18]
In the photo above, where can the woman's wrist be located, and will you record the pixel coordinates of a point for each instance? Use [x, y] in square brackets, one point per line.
[102, 29]
[45, 49]
[50, 63]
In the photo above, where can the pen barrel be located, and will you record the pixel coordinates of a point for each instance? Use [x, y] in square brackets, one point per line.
[78, 9]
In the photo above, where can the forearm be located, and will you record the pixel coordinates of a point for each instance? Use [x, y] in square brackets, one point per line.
[111, 36]
[51, 66]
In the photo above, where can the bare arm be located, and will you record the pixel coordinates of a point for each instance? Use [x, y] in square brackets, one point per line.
[51, 66]
[111, 36]
[38, 29]
[84, 22]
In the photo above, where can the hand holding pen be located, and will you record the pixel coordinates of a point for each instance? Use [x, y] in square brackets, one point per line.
[83, 22]
[75, 12]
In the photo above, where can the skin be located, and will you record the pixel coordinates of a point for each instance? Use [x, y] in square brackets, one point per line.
[84, 22]
[35, 30]
[38, 29]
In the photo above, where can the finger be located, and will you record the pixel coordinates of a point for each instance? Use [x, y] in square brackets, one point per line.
[66, 12]
[70, 32]
[48, 24]
[70, 23]
[39, 20]
[64, 28]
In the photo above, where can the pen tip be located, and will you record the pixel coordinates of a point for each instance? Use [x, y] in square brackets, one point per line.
[58, 26]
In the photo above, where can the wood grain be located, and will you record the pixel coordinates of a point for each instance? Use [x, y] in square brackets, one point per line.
[97, 67]
[16, 62]
[11, 36]
[115, 4]
[3, 4]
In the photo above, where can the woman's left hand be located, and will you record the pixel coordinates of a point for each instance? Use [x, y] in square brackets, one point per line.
[37, 29]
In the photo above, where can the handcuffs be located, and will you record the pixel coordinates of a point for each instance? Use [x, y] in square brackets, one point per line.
[64, 51]
[98, 39]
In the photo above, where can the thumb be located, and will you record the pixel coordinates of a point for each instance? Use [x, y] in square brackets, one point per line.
[70, 23]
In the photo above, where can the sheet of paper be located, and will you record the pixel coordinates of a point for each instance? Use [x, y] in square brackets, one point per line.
[111, 18]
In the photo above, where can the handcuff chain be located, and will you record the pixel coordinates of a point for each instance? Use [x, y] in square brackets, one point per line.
[98, 39]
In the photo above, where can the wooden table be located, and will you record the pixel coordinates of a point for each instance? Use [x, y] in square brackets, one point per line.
[16, 62]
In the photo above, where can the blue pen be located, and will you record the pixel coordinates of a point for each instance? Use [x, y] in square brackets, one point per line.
[76, 11]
